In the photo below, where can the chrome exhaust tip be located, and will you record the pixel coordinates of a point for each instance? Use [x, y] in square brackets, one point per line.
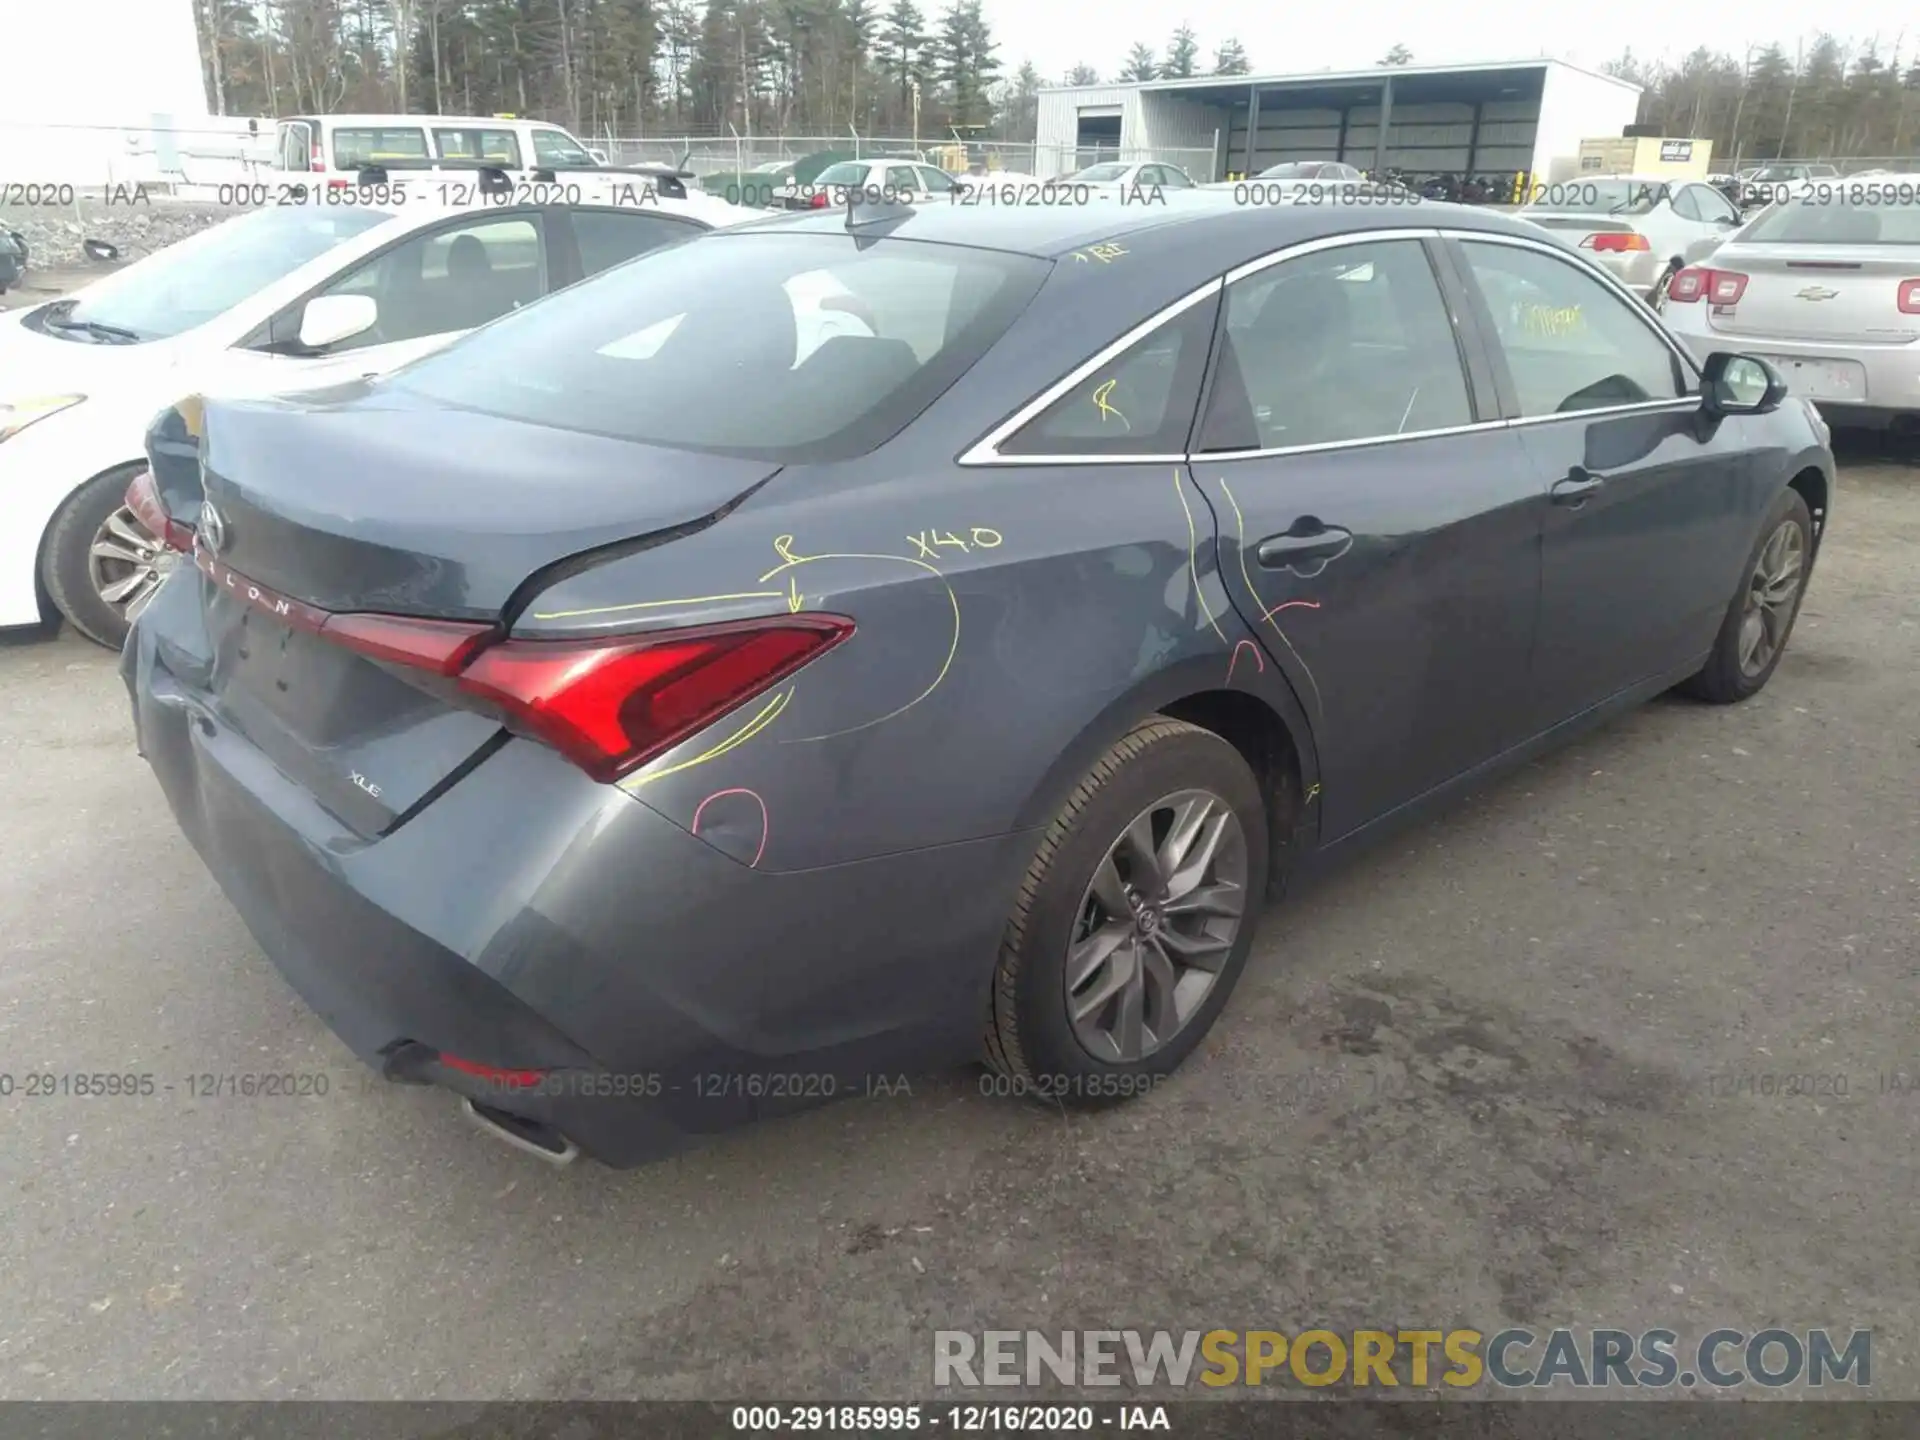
[541, 1141]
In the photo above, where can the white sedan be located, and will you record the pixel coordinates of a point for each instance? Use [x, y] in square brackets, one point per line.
[1131, 175]
[289, 297]
[1636, 227]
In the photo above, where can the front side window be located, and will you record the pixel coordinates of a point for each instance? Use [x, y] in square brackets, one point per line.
[1569, 342]
[395, 145]
[1347, 344]
[790, 347]
[479, 147]
[934, 180]
[555, 149]
[1102, 174]
[450, 279]
[202, 277]
[1139, 403]
[1174, 178]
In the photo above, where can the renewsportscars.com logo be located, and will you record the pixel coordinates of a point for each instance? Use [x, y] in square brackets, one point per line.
[1508, 1360]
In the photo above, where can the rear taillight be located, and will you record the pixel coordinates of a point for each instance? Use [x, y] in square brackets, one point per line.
[1910, 297]
[610, 705]
[442, 646]
[819, 200]
[1616, 242]
[1716, 287]
[143, 499]
[317, 158]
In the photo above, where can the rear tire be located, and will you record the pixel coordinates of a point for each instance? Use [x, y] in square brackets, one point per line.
[1760, 617]
[1185, 798]
[68, 564]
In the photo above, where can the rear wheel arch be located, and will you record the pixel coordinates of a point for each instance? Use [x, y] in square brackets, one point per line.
[1264, 723]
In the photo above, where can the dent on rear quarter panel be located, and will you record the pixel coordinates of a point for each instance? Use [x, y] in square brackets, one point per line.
[1001, 613]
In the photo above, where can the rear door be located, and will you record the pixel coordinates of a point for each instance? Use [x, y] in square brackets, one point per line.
[1379, 529]
[1647, 514]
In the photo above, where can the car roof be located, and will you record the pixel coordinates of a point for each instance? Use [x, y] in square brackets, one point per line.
[376, 118]
[1212, 217]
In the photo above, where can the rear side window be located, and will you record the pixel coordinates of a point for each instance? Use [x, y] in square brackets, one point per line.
[1139, 403]
[555, 148]
[379, 145]
[794, 348]
[1347, 344]
[612, 237]
[479, 147]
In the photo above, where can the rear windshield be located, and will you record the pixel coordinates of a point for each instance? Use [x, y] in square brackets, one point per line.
[773, 346]
[205, 275]
[1841, 213]
[845, 172]
[378, 145]
[1601, 197]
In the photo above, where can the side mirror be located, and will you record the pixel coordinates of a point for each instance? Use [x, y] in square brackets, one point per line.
[1726, 220]
[1740, 385]
[329, 319]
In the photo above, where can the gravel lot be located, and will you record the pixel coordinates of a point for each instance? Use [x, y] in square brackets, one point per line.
[1468, 1080]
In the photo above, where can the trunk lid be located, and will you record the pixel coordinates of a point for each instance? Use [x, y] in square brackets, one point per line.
[1843, 294]
[355, 501]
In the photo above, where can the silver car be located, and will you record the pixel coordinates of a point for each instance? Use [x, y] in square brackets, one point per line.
[1824, 284]
[1636, 227]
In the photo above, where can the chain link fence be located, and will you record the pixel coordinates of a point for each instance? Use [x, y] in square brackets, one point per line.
[729, 154]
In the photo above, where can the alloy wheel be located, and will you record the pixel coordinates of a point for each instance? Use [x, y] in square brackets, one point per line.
[1156, 925]
[1771, 597]
[126, 564]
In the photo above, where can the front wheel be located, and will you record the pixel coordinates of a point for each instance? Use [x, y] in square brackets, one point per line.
[101, 565]
[1134, 920]
[1753, 636]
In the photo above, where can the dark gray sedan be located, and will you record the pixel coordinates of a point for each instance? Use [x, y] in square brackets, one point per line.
[859, 643]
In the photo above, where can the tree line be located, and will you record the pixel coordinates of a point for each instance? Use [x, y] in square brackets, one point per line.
[635, 67]
[892, 68]
[1833, 98]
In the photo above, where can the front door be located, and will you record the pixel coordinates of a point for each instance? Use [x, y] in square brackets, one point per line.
[1379, 528]
[1647, 515]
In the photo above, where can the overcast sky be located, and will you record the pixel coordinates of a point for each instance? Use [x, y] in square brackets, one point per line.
[1058, 34]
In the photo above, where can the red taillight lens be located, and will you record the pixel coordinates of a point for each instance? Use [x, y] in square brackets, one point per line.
[1617, 244]
[1697, 282]
[493, 1074]
[143, 498]
[819, 201]
[442, 646]
[1910, 297]
[610, 705]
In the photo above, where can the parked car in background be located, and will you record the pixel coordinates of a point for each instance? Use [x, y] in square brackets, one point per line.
[762, 185]
[1826, 286]
[1132, 175]
[1301, 172]
[1768, 183]
[1636, 227]
[898, 181]
[281, 297]
[323, 148]
[620, 713]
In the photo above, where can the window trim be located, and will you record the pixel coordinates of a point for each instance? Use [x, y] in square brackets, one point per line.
[985, 451]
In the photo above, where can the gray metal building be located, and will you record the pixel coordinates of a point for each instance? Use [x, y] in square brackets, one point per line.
[1518, 116]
